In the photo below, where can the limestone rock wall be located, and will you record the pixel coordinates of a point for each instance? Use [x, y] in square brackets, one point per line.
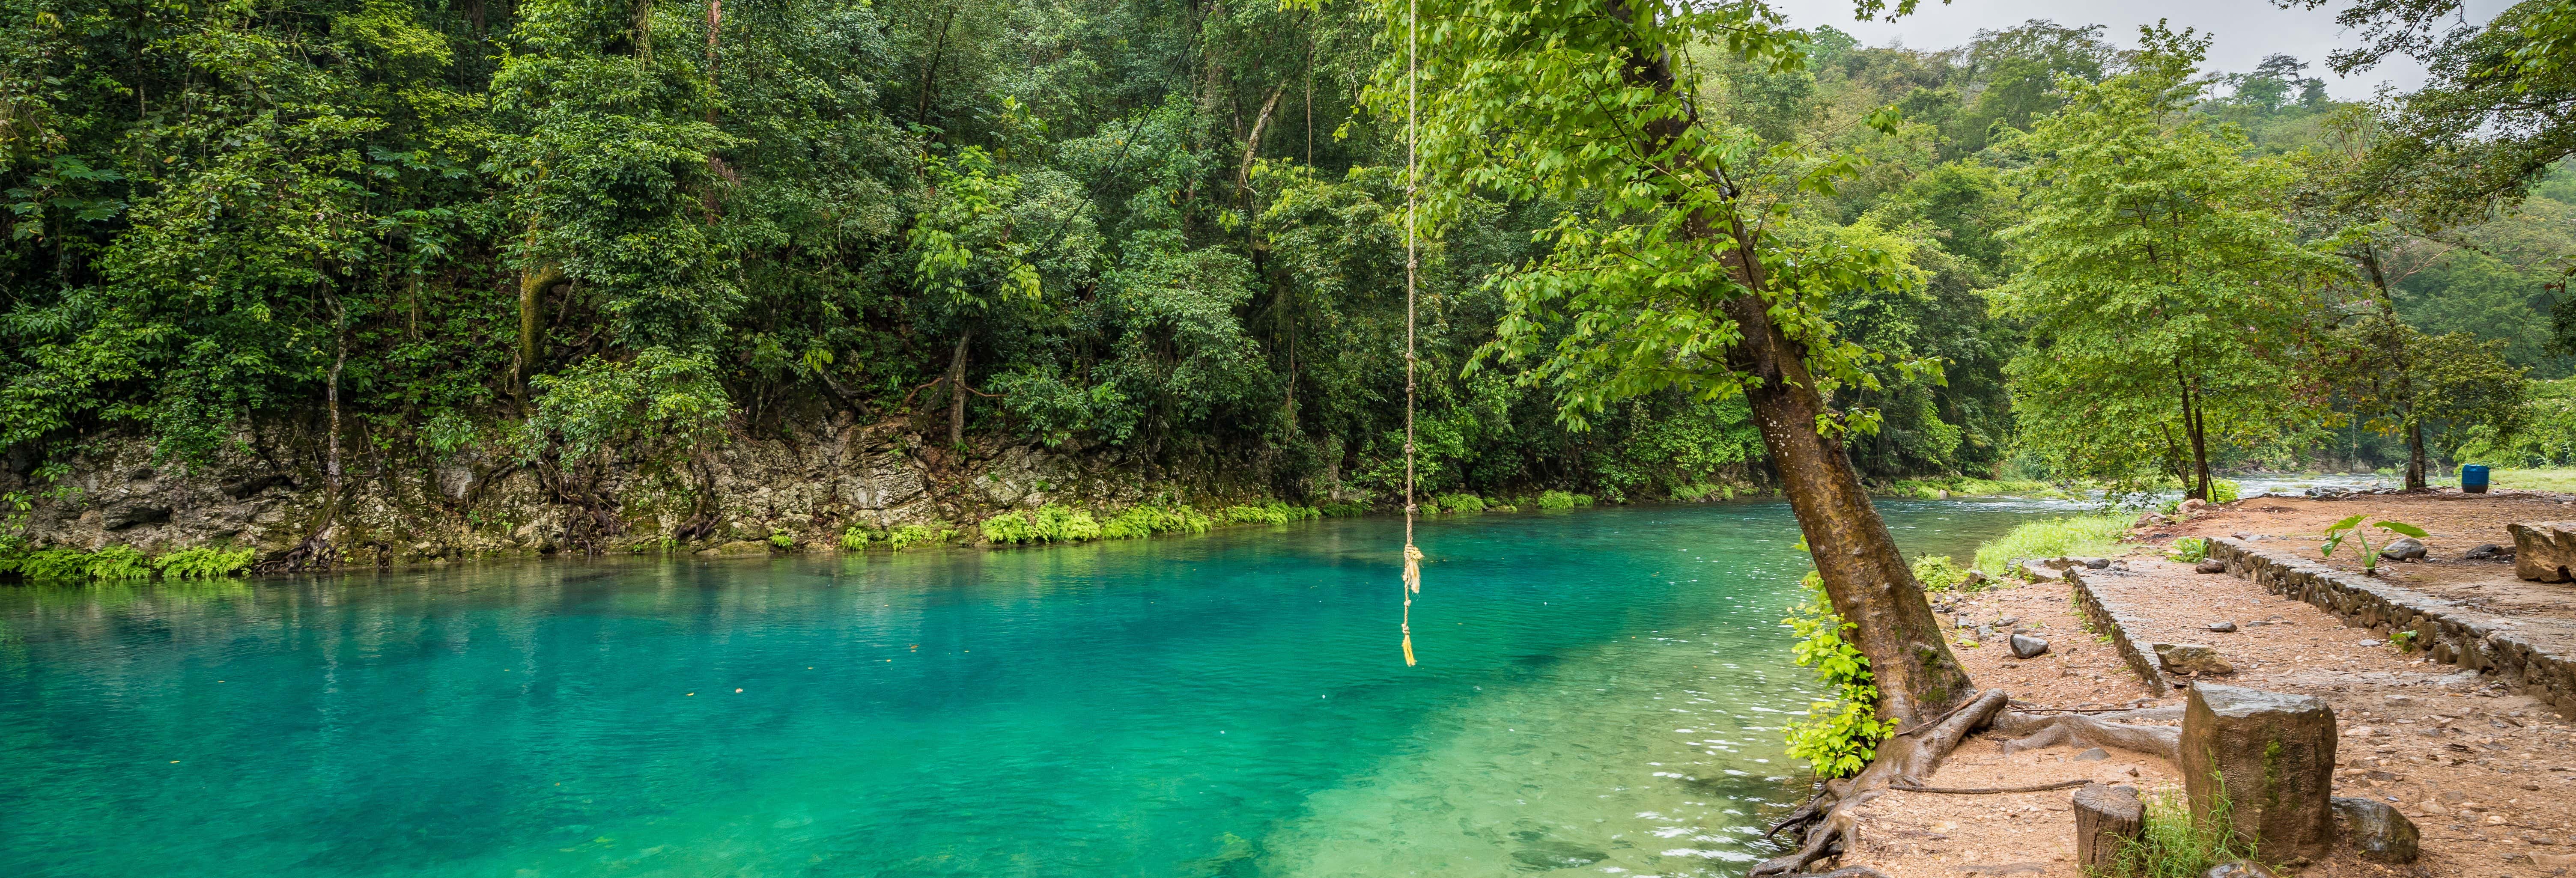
[267, 491]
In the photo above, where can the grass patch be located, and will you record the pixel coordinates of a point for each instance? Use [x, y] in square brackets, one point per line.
[1938, 573]
[2076, 535]
[2556, 479]
[2176, 845]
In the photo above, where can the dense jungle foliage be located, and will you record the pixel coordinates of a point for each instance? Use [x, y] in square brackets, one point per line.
[1168, 230]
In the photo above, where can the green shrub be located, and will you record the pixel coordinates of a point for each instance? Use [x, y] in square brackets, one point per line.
[2076, 535]
[907, 536]
[856, 537]
[2224, 491]
[202, 562]
[115, 563]
[1273, 512]
[1938, 572]
[1343, 509]
[1051, 523]
[2189, 550]
[55, 564]
[2177, 845]
[1009, 527]
[1462, 503]
[1561, 500]
[1840, 736]
[782, 539]
[1057, 524]
[1142, 521]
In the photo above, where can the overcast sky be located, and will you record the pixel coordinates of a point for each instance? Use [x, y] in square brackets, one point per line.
[2245, 30]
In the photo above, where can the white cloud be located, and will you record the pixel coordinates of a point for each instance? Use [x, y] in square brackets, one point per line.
[2244, 30]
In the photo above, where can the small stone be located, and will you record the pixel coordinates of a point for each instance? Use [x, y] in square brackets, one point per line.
[2096, 754]
[2223, 627]
[2007, 621]
[2377, 830]
[1965, 622]
[2399, 699]
[2486, 551]
[2212, 565]
[1985, 631]
[2238, 869]
[2094, 563]
[2191, 658]
[2403, 549]
[2369, 642]
[2026, 646]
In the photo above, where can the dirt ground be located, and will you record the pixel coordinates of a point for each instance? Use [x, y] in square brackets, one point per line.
[2487, 776]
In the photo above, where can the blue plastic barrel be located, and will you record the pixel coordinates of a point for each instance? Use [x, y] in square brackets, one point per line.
[2473, 478]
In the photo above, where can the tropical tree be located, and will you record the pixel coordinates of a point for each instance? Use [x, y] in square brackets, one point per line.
[2169, 301]
[1679, 273]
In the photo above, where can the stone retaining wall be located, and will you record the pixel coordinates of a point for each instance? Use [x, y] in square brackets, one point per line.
[2476, 641]
[2109, 616]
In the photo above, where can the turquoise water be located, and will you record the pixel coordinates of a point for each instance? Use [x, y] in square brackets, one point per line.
[1599, 690]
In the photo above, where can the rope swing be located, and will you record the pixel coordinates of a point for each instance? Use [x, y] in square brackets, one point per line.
[1412, 175]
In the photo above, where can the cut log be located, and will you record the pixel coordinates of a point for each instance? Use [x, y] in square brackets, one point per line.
[2106, 818]
[2271, 756]
[2544, 551]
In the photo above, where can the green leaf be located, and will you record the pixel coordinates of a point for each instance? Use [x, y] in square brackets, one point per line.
[2404, 528]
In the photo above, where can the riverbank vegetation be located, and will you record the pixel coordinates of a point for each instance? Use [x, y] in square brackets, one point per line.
[543, 233]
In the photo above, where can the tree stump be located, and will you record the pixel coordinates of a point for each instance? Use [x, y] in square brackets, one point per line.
[2271, 757]
[2106, 817]
[2544, 551]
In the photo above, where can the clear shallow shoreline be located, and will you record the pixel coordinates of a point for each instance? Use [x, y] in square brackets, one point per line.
[1599, 689]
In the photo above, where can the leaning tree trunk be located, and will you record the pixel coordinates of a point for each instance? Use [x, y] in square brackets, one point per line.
[1864, 573]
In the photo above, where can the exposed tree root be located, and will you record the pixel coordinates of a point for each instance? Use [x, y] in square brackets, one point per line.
[1831, 821]
[1988, 791]
[2095, 731]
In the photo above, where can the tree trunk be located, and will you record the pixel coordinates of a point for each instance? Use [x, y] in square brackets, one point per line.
[2414, 453]
[532, 320]
[1864, 573]
[957, 393]
[2194, 430]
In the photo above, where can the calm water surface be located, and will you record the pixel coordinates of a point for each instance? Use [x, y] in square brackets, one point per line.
[1599, 690]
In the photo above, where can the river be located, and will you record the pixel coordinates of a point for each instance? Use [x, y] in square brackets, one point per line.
[1601, 691]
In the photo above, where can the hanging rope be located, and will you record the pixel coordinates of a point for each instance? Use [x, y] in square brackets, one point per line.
[1412, 175]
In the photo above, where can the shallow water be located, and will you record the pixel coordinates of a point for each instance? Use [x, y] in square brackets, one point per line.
[1599, 690]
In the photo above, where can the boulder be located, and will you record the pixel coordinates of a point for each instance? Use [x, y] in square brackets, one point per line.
[2376, 830]
[2026, 646]
[2238, 869]
[2106, 817]
[2192, 505]
[2271, 755]
[2404, 549]
[2212, 565]
[2191, 658]
[2544, 551]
